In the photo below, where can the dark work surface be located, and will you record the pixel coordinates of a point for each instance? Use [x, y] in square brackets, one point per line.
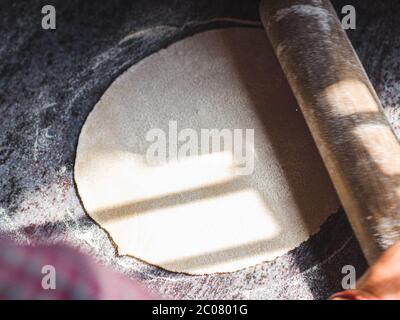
[49, 82]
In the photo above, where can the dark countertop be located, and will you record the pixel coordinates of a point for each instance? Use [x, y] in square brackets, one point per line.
[49, 82]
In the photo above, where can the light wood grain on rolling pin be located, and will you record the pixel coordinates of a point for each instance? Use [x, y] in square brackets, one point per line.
[344, 114]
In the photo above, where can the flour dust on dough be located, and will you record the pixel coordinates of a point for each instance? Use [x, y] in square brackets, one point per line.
[196, 214]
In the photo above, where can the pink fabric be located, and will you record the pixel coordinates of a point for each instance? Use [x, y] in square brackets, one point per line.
[76, 275]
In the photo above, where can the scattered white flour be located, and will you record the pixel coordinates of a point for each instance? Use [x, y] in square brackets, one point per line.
[322, 16]
[149, 32]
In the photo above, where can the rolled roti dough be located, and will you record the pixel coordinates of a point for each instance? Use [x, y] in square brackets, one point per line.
[196, 214]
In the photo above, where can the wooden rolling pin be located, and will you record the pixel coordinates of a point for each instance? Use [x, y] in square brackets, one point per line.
[343, 113]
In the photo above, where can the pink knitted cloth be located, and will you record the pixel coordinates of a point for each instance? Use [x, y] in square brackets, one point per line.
[59, 272]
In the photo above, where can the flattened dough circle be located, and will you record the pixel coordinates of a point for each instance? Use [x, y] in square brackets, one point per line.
[195, 215]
